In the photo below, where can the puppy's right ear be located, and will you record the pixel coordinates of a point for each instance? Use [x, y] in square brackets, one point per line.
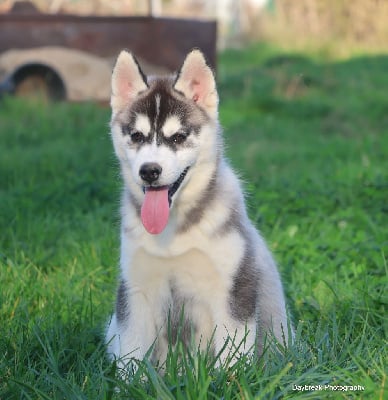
[128, 80]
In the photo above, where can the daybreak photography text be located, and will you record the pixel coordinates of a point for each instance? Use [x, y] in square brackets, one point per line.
[328, 387]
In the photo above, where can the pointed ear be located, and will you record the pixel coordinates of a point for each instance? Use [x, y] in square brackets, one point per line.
[196, 81]
[128, 81]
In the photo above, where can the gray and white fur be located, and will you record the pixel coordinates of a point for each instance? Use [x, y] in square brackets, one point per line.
[208, 271]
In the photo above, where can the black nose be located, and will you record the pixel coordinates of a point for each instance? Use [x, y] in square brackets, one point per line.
[150, 172]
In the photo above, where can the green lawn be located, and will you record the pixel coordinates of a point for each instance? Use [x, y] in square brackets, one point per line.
[310, 139]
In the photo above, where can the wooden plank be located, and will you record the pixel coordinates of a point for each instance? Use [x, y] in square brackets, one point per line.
[159, 41]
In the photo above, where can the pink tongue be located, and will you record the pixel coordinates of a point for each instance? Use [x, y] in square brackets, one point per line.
[155, 210]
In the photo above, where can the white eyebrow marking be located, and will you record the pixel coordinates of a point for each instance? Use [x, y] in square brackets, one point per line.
[142, 124]
[157, 100]
[171, 125]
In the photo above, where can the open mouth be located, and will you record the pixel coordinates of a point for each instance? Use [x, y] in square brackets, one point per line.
[155, 209]
[175, 186]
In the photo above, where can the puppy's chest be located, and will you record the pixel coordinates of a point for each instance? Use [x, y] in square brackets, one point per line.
[180, 291]
[191, 275]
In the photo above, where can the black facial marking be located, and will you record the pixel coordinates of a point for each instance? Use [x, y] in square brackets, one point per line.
[168, 107]
[158, 104]
[244, 292]
[137, 137]
[122, 302]
[178, 138]
[144, 106]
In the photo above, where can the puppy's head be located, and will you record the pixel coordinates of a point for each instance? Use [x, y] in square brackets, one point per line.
[161, 128]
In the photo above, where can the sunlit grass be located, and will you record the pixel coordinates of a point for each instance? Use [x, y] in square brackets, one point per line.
[309, 138]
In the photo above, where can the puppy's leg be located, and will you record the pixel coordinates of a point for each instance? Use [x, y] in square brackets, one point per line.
[233, 338]
[235, 333]
[132, 333]
[272, 312]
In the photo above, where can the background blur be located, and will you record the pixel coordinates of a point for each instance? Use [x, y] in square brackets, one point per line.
[337, 27]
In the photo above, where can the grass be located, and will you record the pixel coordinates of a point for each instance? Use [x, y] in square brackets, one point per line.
[310, 139]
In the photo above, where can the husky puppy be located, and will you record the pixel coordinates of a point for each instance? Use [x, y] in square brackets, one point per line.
[192, 265]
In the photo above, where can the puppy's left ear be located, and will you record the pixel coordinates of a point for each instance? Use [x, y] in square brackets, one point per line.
[128, 80]
[196, 81]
